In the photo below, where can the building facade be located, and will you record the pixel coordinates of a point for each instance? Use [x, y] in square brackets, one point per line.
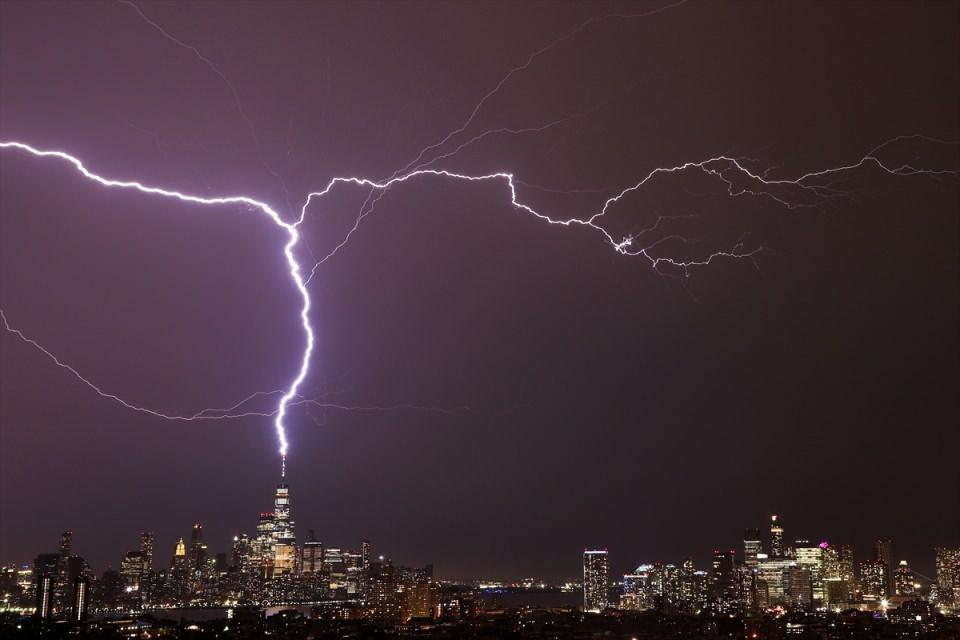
[596, 579]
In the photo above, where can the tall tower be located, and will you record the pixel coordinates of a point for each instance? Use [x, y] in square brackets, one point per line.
[66, 543]
[61, 582]
[80, 602]
[146, 548]
[903, 580]
[948, 575]
[198, 550]
[284, 536]
[180, 569]
[776, 537]
[44, 607]
[596, 577]
[883, 551]
[366, 552]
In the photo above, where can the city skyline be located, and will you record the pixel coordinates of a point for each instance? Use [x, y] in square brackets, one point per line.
[769, 576]
[641, 296]
[278, 531]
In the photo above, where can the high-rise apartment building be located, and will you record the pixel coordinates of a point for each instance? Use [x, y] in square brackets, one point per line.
[873, 580]
[80, 602]
[723, 579]
[44, 608]
[596, 579]
[419, 595]
[903, 584]
[948, 575]
[382, 599]
[637, 590]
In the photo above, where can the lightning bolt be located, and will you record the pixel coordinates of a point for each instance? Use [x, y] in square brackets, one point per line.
[290, 392]
[718, 166]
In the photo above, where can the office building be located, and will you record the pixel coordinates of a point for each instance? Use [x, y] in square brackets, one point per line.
[777, 549]
[752, 546]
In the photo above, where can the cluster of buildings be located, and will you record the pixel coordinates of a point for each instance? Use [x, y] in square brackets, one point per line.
[267, 568]
[271, 568]
[771, 573]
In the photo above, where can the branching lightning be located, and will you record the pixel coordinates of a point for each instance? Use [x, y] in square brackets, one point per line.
[717, 166]
[730, 171]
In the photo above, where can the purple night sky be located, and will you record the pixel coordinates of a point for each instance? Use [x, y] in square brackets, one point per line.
[609, 405]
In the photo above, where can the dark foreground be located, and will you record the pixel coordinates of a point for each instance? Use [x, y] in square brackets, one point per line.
[558, 624]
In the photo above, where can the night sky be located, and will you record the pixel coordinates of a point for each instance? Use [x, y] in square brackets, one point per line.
[609, 405]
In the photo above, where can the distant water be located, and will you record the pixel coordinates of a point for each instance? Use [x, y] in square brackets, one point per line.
[492, 599]
[536, 598]
[203, 614]
[193, 614]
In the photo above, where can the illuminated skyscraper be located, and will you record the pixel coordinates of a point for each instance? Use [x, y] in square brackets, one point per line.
[284, 538]
[883, 551]
[799, 587]
[776, 537]
[723, 579]
[80, 602]
[198, 550]
[773, 579]
[382, 600]
[146, 549]
[837, 573]
[47, 564]
[637, 590]
[873, 580]
[242, 553]
[948, 575]
[846, 566]
[312, 555]
[811, 558]
[180, 569]
[62, 582]
[66, 543]
[131, 570]
[903, 580]
[44, 607]
[262, 546]
[752, 545]
[419, 597]
[596, 579]
[366, 552]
